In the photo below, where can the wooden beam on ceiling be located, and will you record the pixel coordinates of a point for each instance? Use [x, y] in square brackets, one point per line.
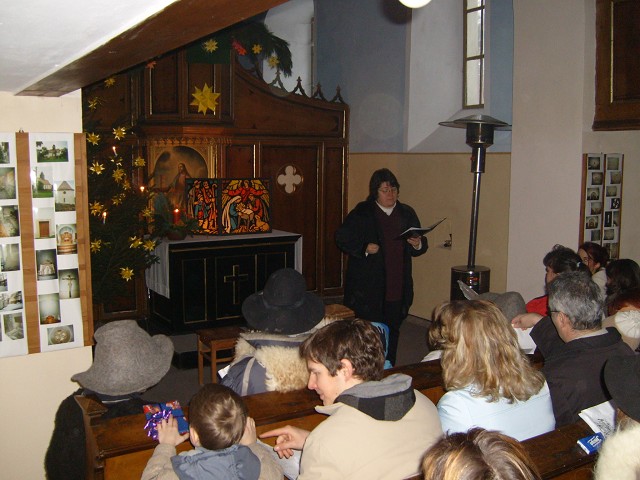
[176, 26]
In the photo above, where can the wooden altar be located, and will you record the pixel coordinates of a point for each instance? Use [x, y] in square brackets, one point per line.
[202, 281]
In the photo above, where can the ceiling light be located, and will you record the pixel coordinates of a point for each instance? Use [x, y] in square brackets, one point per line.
[414, 3]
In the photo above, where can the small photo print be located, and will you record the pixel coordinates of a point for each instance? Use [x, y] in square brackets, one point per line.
[60, 335]
[595, 236]
[613, 249]
[594, 163]
[612, 191]
[9, 223]
[615, 178]
[69, 284]
[46, 264]
[609, 234]
[593, 194]
[10, 301]
[597, 178]
[13, 326]
[65, 196]
[54, 151]
[596, 208]
[67, 239]
[49, 307]
[613, 163]
[608, 220]
[615, 204]
[4, 152]
[616, 219]
[592, 222]
[4, 282]
[42, 182]
[7, 183]
[44, 222]
[10, 257]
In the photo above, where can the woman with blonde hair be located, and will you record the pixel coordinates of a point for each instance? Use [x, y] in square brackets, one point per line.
[476, 454]
[490, 383]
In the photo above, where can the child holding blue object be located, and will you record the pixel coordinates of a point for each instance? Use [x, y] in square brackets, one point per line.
[224, 437]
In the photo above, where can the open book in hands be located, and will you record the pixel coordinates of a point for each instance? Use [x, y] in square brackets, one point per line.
[418, 231]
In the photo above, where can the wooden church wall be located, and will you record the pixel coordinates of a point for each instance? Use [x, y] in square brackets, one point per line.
[256, 130]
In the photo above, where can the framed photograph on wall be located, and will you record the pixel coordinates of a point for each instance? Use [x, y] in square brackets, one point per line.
[602, 200]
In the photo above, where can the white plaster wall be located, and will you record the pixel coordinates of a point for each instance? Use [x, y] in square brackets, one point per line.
[547, 136]
[34, 385]
[553, 107]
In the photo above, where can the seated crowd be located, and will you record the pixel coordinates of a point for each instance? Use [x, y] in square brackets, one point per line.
[380, 427]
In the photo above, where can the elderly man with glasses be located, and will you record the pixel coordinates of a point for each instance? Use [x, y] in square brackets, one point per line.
[574, 345]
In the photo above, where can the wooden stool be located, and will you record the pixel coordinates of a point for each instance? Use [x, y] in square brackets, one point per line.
[210, 342]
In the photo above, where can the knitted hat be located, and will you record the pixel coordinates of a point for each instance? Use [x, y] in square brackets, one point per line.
[284, 306]
[127, 360]
[622, 377]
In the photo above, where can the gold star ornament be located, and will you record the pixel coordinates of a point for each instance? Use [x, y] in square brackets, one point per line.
[149, 245]
[205, 99]
[93, 138]
[96, 208]
[256, 49]
[96, 245]
[135, 242]
[96, 167]
[126, 273]
[110, 82]
[139, 162]
[119, 132]
[210, 46]
[273, 61]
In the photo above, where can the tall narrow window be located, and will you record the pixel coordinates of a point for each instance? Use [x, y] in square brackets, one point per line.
[473, 95]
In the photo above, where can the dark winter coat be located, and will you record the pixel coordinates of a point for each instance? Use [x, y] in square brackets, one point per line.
[574, 370]
[365, 281]
[66, 456]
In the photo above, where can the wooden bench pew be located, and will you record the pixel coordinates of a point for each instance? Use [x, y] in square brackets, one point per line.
[120, 447]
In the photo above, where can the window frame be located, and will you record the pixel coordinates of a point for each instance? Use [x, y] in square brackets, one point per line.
[482, 8]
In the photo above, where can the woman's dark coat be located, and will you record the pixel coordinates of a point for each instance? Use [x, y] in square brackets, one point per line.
[364, 290]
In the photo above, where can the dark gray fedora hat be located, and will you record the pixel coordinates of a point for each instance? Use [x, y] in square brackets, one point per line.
[284, 306]
[127, 360]
[622, 377]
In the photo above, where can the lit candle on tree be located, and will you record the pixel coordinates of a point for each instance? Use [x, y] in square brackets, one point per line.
[104, 217]
[176, 216]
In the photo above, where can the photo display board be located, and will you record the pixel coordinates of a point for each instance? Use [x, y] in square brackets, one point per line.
[43, 256]
[602, 200]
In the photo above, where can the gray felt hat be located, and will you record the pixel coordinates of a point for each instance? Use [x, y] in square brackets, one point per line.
[127, 359]
[510, 303]
[284, 306]
[622, 377]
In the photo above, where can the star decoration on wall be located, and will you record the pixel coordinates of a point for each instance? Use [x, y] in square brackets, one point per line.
[96, 208]
[119, 132]
[96, 167]
[149, 245]
[210, 45]
[93, 103]
[273, 61]
[96, 245]
[126, 273]
[135, 242]
[205, 99]
[139, 162]
[110, 82]
[93, 138]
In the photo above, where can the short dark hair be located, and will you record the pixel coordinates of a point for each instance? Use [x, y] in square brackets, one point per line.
[378, 178]
[478, 453]
[218, 415]
[355, 340]
[596, 252]
[562, 259]
[579, 298]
